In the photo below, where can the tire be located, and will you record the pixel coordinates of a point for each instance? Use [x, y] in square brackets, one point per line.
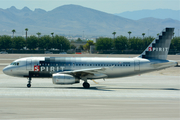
[86, 85]
[28, 85]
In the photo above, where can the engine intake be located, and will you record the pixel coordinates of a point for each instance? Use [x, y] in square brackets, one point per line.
[64, 79]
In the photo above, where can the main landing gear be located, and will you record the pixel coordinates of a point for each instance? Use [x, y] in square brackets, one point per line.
[86, 85]
[29, 82]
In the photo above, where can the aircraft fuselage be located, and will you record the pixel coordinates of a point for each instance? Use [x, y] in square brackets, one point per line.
[118, 67]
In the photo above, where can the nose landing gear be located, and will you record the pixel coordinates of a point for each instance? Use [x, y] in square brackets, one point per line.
[29, 82]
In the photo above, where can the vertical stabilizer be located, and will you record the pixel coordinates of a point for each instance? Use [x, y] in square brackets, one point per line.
[159, 48]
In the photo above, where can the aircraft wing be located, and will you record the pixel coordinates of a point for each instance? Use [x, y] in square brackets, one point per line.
[88, 73]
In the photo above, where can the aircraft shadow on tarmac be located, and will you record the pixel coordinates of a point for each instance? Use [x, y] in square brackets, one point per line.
[148, 88]
[113, 89]
[91, 88]
[103, 88]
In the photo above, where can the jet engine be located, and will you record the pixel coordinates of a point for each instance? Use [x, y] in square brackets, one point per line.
[64, 79]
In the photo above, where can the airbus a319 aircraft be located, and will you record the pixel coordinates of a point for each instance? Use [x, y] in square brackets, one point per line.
[70, 70]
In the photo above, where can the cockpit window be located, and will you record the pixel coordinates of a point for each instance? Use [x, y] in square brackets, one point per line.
[14, 63]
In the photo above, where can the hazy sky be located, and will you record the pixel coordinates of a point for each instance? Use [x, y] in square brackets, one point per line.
[109, 6]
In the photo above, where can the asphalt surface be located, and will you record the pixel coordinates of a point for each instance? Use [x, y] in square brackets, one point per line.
[151, 96]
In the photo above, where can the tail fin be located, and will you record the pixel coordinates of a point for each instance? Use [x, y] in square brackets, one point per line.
[159, 48]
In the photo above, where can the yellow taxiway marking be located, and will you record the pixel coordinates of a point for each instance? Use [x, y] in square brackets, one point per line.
[95, 82]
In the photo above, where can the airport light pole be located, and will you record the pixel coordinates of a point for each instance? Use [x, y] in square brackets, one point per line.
[26, 37]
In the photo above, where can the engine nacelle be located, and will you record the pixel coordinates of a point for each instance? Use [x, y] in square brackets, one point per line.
[64, 79]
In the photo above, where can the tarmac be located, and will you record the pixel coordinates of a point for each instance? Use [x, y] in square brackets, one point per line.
[150, 96]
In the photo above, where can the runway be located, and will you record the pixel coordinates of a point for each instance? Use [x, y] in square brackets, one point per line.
[152, 96]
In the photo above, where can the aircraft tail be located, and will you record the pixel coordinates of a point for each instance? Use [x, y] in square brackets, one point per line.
[159, 48]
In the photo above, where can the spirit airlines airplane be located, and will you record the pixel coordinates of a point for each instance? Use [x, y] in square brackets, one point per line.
[70, 70]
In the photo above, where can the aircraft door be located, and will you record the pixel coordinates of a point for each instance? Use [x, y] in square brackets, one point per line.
[136, 65]
[28, 64]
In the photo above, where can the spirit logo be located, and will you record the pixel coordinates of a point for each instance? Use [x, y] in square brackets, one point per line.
[36, 68]
[51, 68]
[157, 49]
[150, 49]
[48, 69]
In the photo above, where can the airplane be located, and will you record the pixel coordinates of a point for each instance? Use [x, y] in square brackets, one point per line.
[70, 70]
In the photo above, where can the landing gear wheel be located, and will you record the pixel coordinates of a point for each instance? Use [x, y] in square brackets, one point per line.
[29, 82]
[28, 85]
[86, 85]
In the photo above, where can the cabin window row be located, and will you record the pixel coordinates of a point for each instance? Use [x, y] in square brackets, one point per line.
[45, 64]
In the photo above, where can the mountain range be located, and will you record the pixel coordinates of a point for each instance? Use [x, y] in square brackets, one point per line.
[157, 13]
[77, 20]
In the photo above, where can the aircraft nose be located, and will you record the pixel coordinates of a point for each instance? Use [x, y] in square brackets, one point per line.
[6, 70]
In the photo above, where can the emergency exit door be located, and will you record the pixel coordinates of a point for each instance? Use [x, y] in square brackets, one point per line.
[136, 65]
[29, 64]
